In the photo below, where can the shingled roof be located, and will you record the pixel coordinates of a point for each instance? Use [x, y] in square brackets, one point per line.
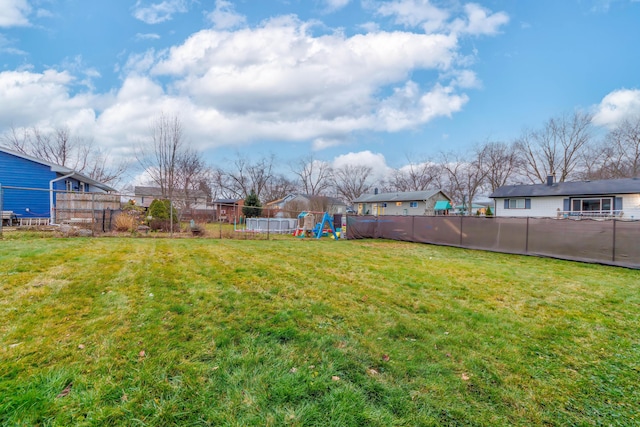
[407, 196]
[578, 188]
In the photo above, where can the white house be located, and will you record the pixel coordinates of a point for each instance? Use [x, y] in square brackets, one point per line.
[428, 202]
[608, 198]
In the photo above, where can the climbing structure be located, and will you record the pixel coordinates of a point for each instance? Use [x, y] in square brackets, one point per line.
[308, 227]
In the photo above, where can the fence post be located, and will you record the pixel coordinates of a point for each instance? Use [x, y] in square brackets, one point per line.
[526, 238]
[93, 213]
[171, 216]
[461, 217]
[613, 256]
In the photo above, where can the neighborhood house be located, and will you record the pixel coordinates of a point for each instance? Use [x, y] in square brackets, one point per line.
[608, 198]
[32, 176]
[428, 202]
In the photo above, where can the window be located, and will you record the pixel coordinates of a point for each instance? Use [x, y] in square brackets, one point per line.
[384, 205]
[517, 203]
[68, 185]
[398, 203]
[591, 204]
[83, 187]
[413, 204]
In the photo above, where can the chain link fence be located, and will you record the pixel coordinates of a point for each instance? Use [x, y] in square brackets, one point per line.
[91, 214]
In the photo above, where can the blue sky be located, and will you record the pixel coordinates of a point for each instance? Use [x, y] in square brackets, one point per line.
[369, 81]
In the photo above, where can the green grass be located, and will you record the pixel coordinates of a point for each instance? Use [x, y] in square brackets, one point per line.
[158, 332]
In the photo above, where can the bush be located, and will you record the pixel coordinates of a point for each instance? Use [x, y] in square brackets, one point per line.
[160, 213]
[126, 222]
[130, 217]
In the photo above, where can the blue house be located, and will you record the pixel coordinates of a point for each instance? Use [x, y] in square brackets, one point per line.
[29, 184]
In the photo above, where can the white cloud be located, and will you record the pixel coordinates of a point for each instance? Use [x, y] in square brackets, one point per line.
[413, 13]
[147, 36]
[422, 13]
[274, 82]
[156, 13]
[323, 143]
[376, 161]
[333, 5]
[224, 16]
[319, 86]
[41, 99]
[6, 47]
[480, 21]
[616, 106]
[14, 13]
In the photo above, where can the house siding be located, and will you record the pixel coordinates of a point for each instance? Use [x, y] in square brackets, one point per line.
[401, 208]
[549, 207]
[18, 172]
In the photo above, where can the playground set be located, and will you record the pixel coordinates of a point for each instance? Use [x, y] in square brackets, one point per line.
[307, 226]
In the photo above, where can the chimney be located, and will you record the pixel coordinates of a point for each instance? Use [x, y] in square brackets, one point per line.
[551, 179]
[375, 191]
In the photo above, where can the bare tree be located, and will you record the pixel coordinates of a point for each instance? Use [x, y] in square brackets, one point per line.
[314, 175]
[414, 176]
[243, 175]
[278, 187]
[352, 181]
[100, 168]
[192, 173]
[555, 148]
[618, 156]
[161, 157]
[60, 147]
[500, 162]
[465, 177]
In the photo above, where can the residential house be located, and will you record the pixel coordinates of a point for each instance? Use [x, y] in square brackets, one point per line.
[427, 202]
[228, 210]
[196, 199]
[608, 198]
[292, 204]
[27, 173]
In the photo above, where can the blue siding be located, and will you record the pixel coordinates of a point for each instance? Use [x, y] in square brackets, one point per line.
[18, 172]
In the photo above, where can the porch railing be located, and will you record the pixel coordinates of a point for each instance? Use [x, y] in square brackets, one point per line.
[608, 214]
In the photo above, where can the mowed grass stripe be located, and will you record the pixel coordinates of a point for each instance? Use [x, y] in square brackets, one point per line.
[305, 332]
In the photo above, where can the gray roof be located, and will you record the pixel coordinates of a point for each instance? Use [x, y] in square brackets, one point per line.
[60, 169]
[579, 188]
[157, 192]
[226, 201]
[407, 196]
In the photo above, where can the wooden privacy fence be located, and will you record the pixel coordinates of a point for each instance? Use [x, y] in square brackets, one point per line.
[96, 211]
[613, 242]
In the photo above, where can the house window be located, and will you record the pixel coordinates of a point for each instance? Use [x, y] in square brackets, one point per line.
[68, 185]
[413, 204]
[398, 203]
[384, 205]
[592, 204]
[83, 187]
[517, 203]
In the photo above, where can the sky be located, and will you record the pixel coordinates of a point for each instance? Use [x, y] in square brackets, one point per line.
[373, 82]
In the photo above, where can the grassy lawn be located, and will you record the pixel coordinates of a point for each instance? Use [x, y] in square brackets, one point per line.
[195, 332]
